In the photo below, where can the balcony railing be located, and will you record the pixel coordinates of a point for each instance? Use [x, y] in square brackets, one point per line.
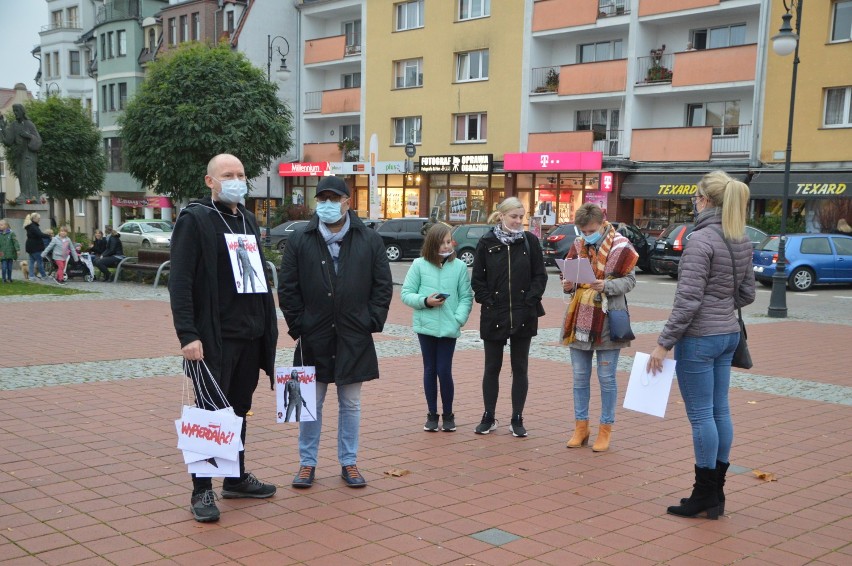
[545, 79]
[733, 140]
[611, 145]
[353, 49]
[118, 10]
[313, 101]
[655, 69]
[608, 8]
[72, 24]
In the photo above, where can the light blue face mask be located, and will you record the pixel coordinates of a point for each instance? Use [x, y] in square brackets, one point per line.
[329, 211]
[233, 191]
[594, 238]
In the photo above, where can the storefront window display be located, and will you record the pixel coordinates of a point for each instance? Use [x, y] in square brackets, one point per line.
[556, 197]
[399, 196]
[656, 214]
[459, 199]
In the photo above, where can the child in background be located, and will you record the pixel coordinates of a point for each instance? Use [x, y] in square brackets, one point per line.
[61, 247]
[9, 248]
[437, 287]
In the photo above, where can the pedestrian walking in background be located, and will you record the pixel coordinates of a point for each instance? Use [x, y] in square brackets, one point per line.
[335, 291]
[9, 248]
[704, 331]
[437, 287]
[34, 245]
[508, 280]
[60, 248]
[587, 323]
[236, 334]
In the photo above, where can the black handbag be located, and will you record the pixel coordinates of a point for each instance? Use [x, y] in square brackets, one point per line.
[619, 325]
[742, 357]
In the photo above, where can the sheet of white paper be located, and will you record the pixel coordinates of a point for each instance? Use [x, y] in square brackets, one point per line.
[648, 393]
[222, 468]
[577, 270]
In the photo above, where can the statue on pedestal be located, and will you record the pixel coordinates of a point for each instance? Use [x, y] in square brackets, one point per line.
[25, 140]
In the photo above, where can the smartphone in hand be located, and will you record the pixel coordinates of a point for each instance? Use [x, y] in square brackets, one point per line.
[442, 296]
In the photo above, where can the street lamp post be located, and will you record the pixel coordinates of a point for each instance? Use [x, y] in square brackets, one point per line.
[283, 73]
[48, 87]
[784, 43]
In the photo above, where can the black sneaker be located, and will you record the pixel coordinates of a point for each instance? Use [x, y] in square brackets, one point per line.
[203, 506]
[449, 422]
[305, 477]
[352, 476]
[249, 487]
[517, 426]
[487, 424]
[431, 422]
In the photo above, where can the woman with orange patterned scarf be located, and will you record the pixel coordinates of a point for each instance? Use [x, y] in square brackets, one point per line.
[587, 324]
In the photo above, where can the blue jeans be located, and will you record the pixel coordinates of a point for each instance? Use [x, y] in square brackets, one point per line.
[348, 426]
[7, 269]
[438, 365]
[703, 376]
[581, 364]
[36, 260]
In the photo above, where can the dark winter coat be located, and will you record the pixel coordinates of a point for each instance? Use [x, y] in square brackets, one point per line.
[335, 314]
[508, 281]
[98, 247]
[114, 247]
[35, 238]
[705, 303]
[194, 289]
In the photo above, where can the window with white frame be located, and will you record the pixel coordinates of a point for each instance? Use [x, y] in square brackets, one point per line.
[409, 15]
[352, 33]
[471, 127]
[74, 62]
[121, 42]
[56, 19]
[56, 69]
[184, 29]
[604, 123]
[47, 69]
[350, 132]
[723, 117]
[472, 66]
[841, 21]
[600, 51]
[110, 45]
[407, 129]
[838, 107]
[80, 207]
[122, 95]
[408, 73]
[196, 26]
[716, 37]
[103, 46]
[350, 80]
[71, 17]
[2, 167]
[172, 31]
[112, 150]
[470, 9]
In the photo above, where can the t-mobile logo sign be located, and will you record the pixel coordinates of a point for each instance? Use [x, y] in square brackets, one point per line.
[606, 182]
[545, 159]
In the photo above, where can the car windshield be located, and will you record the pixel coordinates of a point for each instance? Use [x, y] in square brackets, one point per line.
[149, 227]
[770, 244]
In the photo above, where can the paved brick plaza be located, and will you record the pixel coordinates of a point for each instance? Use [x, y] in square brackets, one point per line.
[89, 472]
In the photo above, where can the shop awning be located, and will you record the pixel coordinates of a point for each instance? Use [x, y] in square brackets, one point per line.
[810, 185]
[663, 185]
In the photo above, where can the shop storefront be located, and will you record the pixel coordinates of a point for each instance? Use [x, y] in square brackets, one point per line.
[461, 188]
[816, 197]
[132, 207]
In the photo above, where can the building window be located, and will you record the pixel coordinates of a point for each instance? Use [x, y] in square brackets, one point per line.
[71, 17]
[196, 26]
[408, 73]
[184, 28]
[350, 132]
[104, 107]
[472, 66]
[112, 97]
[838, 107]
[598, 121]
[56, 68]
[47, 69]
[2, 167]
[112, 149]
[470, 9]
[152, 39]
[841, 27]
[103, 46]
[406, 130]
[350, 80]
[409, 15]
[352, 31]
[600, 51]
[110, 45]
[122, 95]
[74, 63]
[714, 38]
[723, 117]
[230, 22]
[172, 31]
[80, 207]
[471, 127]
[56, 19]
[121, 40]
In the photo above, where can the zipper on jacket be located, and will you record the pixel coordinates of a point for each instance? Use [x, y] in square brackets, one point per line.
[511, 318]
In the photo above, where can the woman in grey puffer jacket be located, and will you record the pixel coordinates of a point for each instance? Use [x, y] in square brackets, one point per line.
[704, 331]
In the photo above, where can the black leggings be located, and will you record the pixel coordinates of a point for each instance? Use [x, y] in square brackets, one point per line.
[519, 351]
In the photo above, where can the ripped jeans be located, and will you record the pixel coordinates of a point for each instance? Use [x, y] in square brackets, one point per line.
[581, 364]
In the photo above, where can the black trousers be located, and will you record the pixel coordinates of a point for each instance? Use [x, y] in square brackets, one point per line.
[238, 380]
[104, 263]
[519, 352]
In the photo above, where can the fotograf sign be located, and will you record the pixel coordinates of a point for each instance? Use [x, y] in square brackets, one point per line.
[480, 163]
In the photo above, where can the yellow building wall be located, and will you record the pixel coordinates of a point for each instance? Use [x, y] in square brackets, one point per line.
[822, 65]
[440, 97]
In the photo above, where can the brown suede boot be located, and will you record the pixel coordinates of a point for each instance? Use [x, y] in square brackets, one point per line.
[581, 435]
[602, 441]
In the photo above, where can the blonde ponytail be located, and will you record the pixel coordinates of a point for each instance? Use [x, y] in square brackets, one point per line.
[509, 203]
[28, 220]
[731, 196]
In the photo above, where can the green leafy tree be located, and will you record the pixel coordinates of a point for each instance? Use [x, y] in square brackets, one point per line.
[198, 101]
[71, 163]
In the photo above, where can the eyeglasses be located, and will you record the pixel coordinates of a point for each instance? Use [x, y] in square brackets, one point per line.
[695, 198]
[332, 198]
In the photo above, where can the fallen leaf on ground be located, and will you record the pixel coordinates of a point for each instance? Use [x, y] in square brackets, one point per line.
[752, 402]
[765, 476]
[250, 414]
[397, 472]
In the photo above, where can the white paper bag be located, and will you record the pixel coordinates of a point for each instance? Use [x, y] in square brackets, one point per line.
[296, 394]
[648, 393]
[212, 433]
[215, 468]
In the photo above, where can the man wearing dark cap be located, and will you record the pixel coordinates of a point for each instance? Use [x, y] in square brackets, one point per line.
[335, 291]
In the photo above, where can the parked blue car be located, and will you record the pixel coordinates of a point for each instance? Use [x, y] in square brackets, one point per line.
[812, 259]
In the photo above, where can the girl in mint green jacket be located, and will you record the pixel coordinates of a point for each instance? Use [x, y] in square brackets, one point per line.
[437, 287]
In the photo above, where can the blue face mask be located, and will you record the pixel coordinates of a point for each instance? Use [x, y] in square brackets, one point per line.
[233, 191]
[593, 238]
[329, 211]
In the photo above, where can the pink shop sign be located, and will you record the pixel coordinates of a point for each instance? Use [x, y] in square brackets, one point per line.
[555, 161]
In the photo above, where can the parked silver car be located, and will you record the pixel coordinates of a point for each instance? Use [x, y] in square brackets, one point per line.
[146, 233]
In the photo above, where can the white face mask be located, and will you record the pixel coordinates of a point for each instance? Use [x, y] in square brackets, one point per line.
[446, 254]
[233, 191]
[510, 231]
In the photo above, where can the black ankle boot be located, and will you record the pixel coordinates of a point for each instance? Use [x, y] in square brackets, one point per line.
[721, 470]
[704, 496]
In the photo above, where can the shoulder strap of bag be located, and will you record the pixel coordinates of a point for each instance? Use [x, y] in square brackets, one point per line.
[734, 267]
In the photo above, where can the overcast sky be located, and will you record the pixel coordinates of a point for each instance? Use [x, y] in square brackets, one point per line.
[20, 22]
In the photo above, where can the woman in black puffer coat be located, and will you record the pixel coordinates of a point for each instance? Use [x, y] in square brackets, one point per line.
[35, 244]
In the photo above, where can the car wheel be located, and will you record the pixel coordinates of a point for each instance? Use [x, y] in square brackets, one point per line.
[801, 279]
[766, 283]
[467, 257]
[673, 275]
[146, 244]
[651, 269]
[393, 252]
[281, 245]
